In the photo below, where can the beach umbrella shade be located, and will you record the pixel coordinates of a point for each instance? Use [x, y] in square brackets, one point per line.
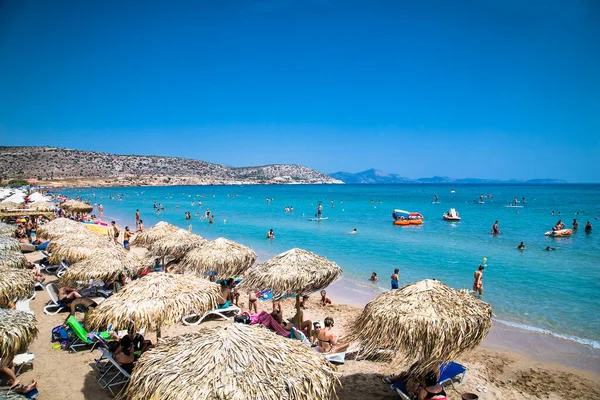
[103, 264]
[7, 230]
[155, 299]
[295, 272]
[9, 205]
[425, 322]
[60, 227]
[221, 256]
[77, 247]
[176, 244]
[151, 235]
[12, 259]
[232, 362]
[76, 206]
[15, 285]
[9, 244]
[41, 206]
[17, 330]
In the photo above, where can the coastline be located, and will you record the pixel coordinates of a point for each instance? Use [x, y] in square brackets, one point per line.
[537, 345]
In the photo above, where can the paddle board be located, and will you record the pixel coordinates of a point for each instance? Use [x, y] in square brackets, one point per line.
[436, 202]
[511, 206]
[318, 219]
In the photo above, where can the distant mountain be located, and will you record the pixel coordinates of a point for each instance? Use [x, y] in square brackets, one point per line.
[370, 176]
[60, 165]
[375, 176]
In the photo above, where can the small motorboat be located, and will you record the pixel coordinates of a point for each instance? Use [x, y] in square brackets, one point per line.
[559, 233]
[451, 215]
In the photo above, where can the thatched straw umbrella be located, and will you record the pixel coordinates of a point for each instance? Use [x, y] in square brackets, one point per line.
[153, 300]
[76, 206]
[7, 230]
[12, 259]
[232, 362]
[9, 205]
[426, 322]
[151, 235]
[17, 330]
[77, 248]
[15, 285]
[224, 257]
[103, 264]
[295, 272]
[9, 244]
[42, 206]
[60, 227]
[176, 244]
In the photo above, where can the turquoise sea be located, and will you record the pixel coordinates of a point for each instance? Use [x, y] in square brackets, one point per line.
[556, 292]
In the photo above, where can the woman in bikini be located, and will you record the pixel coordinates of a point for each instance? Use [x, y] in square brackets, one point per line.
[329, 341]
[478, 283]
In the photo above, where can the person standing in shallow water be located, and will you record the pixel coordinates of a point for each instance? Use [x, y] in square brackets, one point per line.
[395, 279]
[478, 282]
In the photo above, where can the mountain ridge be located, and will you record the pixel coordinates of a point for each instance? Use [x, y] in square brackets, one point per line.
[376, 176]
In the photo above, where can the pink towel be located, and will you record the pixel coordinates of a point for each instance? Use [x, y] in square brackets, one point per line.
[267, 320]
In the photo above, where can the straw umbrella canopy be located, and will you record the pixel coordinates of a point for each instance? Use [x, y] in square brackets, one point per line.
[76, 248]
[12, 259]
[224, 257]
[42, 206]
[426, 322]
[15, 285]
[17, 330]
[60, 227]
[103, 264]
[151, 235]
[9, 244]
[7, 230]
[176, 244]
[295, 272]
[76, 206]
[232, 362]
[155, 299]
[9, 205]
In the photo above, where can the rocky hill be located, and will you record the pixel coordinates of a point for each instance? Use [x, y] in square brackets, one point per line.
[59, 164]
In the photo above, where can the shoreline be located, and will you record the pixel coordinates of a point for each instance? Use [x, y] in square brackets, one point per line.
[543, 348]
[538, 345]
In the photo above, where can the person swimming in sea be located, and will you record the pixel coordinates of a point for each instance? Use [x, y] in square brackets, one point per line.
[548, 248]
[271, 234]
[374, 277]
[575, 225]
[588, 227]
[495, 230]
[521, 246]
[354, 232]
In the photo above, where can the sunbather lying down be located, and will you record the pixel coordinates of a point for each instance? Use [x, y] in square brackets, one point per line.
[423, 387]
[71, 298]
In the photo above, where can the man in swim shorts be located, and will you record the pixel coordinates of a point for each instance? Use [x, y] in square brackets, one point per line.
[395, 279]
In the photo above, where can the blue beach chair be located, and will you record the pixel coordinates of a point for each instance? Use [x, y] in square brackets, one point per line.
[448, 372]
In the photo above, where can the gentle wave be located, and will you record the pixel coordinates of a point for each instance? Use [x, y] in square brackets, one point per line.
[588, 342]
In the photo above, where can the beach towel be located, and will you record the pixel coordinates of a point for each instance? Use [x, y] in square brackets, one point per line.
[267, 320]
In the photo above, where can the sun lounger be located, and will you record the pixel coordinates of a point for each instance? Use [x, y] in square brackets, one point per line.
[112, 374]
[62, 269]
[23, 305]
[192, 319]
[54, 306]
[448, 372]
[22, 360]
[83, 338]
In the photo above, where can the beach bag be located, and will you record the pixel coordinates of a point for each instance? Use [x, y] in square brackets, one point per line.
[242, 319]
[60, 333]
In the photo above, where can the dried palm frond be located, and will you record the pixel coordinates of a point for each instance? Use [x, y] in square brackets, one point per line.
[103, 264]
[12, 259]
[295, 272]
[425, 322]
[74, 248]
[155, 299]
[151, 235]
[15, 285]
[221, 256]
[9, 244]
[17, 330]
[232, 362]
[176, 244]
[76, 206]
[7, 230]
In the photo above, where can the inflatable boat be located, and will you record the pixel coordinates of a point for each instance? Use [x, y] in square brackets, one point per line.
[404, 218]
[559, 233]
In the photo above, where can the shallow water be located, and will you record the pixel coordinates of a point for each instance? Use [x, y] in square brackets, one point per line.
[556, 291]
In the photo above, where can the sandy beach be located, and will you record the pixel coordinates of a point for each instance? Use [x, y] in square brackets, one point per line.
[497, 372]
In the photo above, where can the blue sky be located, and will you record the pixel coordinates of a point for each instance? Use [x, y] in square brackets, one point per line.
[494, 89]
